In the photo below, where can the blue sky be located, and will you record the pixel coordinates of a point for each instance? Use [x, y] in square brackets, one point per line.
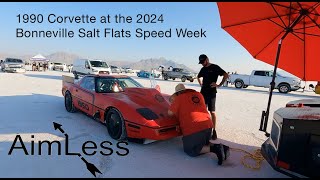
[220, 47]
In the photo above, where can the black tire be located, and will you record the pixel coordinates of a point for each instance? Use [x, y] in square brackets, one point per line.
[183, 79]
[191, 80]
[284, 88]
[115, 125]
[245, 86]
[165, 77]
[76, 76]
[238, 84]
[68, 102]
[173, 78]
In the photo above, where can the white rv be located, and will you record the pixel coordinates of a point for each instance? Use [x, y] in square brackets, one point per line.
[90, 66]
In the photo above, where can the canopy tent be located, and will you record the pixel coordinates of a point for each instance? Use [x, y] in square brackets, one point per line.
[39, 57]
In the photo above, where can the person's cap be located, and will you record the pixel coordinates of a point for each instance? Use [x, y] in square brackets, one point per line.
[180, 87]
[202, 58]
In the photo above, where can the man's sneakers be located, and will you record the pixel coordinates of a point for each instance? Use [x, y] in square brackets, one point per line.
[214, 134]
[222, 152]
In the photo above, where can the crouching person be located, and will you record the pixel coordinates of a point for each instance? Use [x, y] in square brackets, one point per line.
[195, 123]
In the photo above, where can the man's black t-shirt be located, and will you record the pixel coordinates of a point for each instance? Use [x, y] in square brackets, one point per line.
[210, 74]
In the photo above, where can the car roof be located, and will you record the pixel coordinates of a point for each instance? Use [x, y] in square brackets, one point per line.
[108, 75]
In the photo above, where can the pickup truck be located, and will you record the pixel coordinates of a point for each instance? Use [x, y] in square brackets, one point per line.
[261, 78]
[13, 65]
[123, 105]
[180, 74]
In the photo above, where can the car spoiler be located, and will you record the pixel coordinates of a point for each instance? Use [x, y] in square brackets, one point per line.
[67, 79]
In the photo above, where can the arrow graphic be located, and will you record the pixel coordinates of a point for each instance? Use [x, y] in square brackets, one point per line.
[91, 167]
[57, 126]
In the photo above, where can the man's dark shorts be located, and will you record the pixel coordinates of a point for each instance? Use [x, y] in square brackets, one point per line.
[193, 143]
[210, 102]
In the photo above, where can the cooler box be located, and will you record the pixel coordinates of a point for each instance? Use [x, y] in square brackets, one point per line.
[293, 147]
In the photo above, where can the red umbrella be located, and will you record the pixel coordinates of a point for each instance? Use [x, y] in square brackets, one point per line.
[267, 28]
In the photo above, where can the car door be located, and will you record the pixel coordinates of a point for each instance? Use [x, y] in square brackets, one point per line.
[267, 80]
[85, 95]
[174, 73]
[258, 78]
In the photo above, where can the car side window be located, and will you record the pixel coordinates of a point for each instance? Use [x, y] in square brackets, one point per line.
[88, 83]
[83, 82]
[267, 74]
[87, 65]
[260, 73]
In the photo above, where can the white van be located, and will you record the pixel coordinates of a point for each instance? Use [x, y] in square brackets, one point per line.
[90, 66]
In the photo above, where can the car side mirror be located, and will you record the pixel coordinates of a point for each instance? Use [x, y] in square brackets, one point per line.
[311, 86]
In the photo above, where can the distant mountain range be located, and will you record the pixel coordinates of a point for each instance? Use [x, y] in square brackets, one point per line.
[144, 64]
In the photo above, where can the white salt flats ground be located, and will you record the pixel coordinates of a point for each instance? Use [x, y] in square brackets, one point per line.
[31, 102]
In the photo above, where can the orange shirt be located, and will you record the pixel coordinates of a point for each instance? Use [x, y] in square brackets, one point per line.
[189, 107]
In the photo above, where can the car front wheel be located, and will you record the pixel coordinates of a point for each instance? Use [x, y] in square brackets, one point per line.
[284, 88]
[115, 125]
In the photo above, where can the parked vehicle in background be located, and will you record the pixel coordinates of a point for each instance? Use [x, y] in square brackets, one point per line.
[156, 73]
[261, 78]
[115, 69]
[90, 66]
[13, 65]
[123, 70]
[1, 61]
[180, 74]
[129, 70]
[59, 66]
[147, 74]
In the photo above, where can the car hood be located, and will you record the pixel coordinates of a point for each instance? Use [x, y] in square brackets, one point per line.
[148, 99]
[187, 73]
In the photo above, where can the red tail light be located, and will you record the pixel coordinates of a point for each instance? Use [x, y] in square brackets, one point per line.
[283, 164]
[295, 105]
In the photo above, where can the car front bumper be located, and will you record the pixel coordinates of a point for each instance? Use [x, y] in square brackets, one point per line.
[145, 132]
[18, 70]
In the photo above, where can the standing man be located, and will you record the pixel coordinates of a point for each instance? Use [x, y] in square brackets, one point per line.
[188, 106]
[209, 74]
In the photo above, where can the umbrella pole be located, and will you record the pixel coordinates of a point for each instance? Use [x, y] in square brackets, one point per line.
[265, 114]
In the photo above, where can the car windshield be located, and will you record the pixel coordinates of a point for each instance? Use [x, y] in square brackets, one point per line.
[99, 64]
[57, 63]
[14, 60]
[112, 85]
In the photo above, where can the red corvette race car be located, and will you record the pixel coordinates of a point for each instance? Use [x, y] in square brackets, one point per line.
[128, 109]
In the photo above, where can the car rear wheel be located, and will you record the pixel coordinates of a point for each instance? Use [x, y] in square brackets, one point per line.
[115, 125]
[165, 77]
[238, 84]
[68, 103]
[183, 79]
